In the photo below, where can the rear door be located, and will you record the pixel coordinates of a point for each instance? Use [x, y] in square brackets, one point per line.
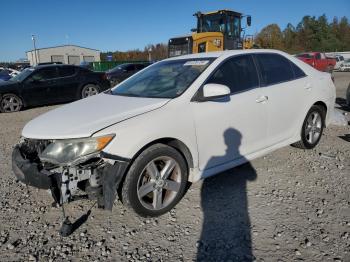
[66, 88]
[228, 129]
[36, 87]
[287, 89]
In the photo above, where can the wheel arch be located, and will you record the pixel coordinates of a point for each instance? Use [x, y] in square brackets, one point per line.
[172, 142]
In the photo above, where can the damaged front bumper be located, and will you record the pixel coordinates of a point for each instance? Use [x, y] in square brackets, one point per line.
[98, 177]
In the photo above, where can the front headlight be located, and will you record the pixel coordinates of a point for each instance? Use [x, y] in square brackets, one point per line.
[72, 150]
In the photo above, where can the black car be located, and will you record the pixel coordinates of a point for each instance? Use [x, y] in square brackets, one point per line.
[123, 71]
[50, 84]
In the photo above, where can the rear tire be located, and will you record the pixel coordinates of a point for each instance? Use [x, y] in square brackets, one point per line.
[155, 182]
[10, 103]
[312, 128]
[89, 90]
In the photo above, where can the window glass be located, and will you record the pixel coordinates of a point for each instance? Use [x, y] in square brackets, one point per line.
[167, 79]
[45, 74]
[298, 73]
[66, 71]
[274, 68]
[318, 56]
[238, 73]
[130, 67]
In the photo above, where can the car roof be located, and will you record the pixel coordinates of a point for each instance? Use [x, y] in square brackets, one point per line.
[52, 65]
[225, 53]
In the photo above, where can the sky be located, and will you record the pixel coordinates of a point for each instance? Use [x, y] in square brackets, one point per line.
[123, 25]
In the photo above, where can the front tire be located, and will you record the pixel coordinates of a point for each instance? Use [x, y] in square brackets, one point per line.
[312, 128]
[10, 103]
[155, 182]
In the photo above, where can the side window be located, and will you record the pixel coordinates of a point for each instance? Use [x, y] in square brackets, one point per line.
[238, 73]
[45, 74]
[66, 71]
[274, 69]
[318, 56]
[298, 73]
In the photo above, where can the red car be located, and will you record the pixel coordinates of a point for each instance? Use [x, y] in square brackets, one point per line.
[318, 60]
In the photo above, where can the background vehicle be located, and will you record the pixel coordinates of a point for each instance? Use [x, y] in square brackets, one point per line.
[5, 75]
[216, 31]
[10, 71]
[172, 102]
[50, 84]
[318, 60]
[345, 66]
[339, 61]
[123, 71]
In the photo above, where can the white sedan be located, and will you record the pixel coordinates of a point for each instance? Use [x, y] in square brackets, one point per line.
[178, 121]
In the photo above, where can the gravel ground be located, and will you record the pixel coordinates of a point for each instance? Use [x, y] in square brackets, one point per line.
[289, 205]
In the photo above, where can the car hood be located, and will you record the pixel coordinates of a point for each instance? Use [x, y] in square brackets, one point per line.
[87, 116]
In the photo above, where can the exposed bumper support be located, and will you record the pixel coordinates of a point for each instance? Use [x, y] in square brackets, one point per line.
[32, 173]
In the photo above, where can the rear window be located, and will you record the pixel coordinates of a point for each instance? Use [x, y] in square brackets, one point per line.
[298, 73]
[66, 71]
[304, 55]
[274, 69]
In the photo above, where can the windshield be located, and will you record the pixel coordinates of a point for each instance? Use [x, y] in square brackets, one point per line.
[219, 23]
[212, 23]
[23, 75]
[120, 67]
[166, 79]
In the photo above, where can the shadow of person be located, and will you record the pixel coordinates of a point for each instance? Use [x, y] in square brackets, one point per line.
[225, 233]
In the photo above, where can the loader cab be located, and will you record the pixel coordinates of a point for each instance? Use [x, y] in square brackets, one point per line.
[215, 31]
[226, 22]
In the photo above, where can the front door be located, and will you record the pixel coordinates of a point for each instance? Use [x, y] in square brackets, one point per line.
[36, 87]
[228, 129]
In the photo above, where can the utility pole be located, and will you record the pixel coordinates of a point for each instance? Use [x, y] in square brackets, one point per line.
[35, 51]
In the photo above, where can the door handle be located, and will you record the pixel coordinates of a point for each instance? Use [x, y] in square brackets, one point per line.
[308, 86]
[262, 99]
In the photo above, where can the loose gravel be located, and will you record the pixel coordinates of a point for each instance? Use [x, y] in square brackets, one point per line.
[289, 205]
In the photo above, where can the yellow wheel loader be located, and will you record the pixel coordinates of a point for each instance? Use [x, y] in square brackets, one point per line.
[216, 31]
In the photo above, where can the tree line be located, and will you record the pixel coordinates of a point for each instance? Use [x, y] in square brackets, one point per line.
[310, 34]
[150, 52]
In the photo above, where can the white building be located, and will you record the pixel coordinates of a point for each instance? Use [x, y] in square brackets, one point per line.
[66, 54]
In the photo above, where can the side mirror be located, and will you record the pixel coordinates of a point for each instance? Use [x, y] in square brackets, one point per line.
[213, 91]
[249, 20]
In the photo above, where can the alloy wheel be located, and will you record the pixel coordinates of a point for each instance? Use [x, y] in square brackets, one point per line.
[89, 90]
[159, 183]
[313, 127]
[11, 103]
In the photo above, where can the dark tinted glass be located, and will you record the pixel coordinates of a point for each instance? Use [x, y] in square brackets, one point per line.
[66, 71]
[130, 67]
[274, 68]
[44, 74]
[298, 73]
[141, 66]
[318, 56]
[238, 73]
